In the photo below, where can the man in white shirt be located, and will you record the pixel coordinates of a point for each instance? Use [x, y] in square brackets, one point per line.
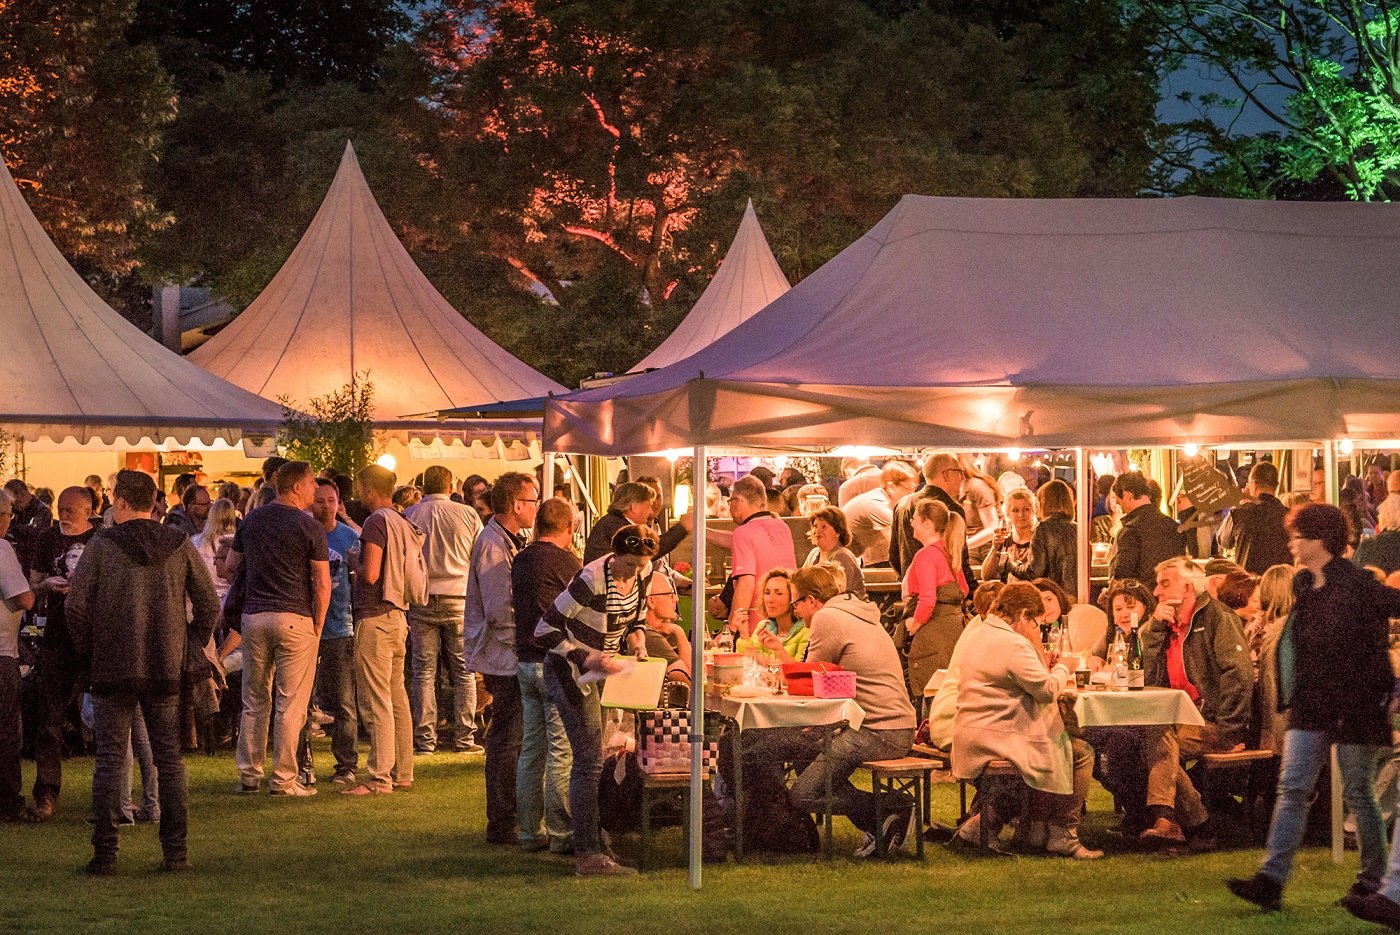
[871, 515]
[436, 630]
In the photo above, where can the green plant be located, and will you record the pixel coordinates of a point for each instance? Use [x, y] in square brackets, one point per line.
[336, 431]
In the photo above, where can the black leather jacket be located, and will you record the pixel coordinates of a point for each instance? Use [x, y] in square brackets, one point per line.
[1054, 551]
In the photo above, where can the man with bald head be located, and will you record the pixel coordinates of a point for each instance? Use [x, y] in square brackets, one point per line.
[55, 555]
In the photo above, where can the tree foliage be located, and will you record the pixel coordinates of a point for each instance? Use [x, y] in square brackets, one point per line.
[335, 431]
[1325, 73]
[81, 114]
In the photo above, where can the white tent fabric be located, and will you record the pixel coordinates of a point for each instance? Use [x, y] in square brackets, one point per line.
[748, 278]
[350, 300]
[1046, 323]
[76, 368]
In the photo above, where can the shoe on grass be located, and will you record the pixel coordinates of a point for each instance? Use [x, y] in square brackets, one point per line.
[249, 788]
[1064, 842]
[175, 865]
[365, 788]
[601, 865]
[1163, 831]
[44, 809]
[293, 790]
[102, 866]
[470, 748]
[1373, 907]
[344, 779]
[1264, 891]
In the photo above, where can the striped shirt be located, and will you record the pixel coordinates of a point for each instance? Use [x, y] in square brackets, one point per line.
[590, 614]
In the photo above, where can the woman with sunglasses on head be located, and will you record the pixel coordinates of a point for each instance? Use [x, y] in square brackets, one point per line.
[602, 609]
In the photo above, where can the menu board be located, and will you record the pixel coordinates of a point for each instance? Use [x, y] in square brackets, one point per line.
[1209, 490]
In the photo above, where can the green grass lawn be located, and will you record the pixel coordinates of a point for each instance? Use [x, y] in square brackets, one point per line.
[418, 862]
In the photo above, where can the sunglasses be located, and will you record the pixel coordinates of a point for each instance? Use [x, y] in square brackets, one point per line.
[639, 542]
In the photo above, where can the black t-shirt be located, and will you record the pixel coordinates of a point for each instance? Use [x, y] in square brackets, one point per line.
[58, 554]
[278, 544]
[539, 572]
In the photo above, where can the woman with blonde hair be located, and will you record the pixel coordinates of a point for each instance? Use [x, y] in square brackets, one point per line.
[1012, 543]
[937, 588]
[1054, 549]
[1275, 595]
[981, 503]
[219, 527]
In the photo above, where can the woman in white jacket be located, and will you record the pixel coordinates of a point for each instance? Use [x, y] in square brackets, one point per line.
[1007, 710]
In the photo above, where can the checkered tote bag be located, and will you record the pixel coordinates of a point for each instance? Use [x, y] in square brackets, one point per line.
[663, 743]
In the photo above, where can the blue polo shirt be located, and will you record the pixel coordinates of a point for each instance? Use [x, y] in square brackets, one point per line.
[341, 540]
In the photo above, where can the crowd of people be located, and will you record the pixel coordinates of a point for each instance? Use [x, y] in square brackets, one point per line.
[333, 603]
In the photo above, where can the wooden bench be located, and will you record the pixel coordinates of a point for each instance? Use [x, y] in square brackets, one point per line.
[903, 774]
[1213, 764]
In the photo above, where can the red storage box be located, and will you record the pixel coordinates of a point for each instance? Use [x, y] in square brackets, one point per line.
[800, 681]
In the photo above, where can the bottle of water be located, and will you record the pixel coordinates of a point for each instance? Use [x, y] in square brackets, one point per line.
[1119, 658]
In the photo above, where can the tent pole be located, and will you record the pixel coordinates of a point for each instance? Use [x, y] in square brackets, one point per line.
[1084, 509]
[1330, 470]
[547, 475]
[699, 477]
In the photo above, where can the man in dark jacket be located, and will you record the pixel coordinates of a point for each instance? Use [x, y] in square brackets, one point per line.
[943, 481]
[126, 606]
[633, 505]
[1255, 530]
[1335, 682]
[1197, 645]
[1147, 538]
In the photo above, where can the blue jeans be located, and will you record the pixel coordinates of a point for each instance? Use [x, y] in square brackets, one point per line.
[436, 637]
[581, 711]
[542, 774]
[112, 716]
[1304, 755]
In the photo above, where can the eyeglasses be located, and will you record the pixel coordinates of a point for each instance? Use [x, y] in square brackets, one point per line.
[798, 600]
[523, 500]
[663, 594]
[958, 471]
[639, 542]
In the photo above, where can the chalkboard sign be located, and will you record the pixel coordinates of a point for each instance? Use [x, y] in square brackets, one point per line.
[1208, 490]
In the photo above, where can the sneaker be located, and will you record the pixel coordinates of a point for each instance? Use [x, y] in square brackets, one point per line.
[866, 848]
[1373, 907]
[601, 865]
[1264, 891]
[249, 788]
[534, 845]
[148, 816]
[344, 780]
[896, 831]
[319, 717]
[295, 790]
[365, 788]
[403, 784]
[470, 748]
[175, 865]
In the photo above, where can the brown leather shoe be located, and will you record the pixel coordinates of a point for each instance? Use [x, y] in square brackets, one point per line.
[1163, 831]
[43, 809]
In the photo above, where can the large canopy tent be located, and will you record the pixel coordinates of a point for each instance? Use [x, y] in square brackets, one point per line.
[78, 370]
[1046, 323]
[972, 323]
[748, 278]
[350, 300]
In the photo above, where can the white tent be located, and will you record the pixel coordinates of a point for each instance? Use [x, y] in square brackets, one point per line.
[74, 367]
[350, 300]
[1046, 323]
[748, 278]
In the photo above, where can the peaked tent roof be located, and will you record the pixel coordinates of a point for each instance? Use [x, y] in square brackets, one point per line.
[350, 299]
[1001, 322]
[78, 368]
[748, 278]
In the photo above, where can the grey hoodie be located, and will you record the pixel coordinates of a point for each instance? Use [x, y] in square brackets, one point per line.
[847, 631]
[127, 606]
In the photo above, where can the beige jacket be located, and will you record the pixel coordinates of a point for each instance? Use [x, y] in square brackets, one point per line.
[1007, 710]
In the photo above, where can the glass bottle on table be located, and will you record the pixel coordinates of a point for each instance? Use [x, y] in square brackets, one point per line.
[1118, 657]
[1136, 676]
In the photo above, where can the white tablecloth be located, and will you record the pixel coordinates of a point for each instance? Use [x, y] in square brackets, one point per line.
[786, 710]
[1135, 708]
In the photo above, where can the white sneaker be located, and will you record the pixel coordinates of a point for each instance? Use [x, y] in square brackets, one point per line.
[295, 790]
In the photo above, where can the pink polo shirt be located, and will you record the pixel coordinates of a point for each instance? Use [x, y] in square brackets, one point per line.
[761, 543]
